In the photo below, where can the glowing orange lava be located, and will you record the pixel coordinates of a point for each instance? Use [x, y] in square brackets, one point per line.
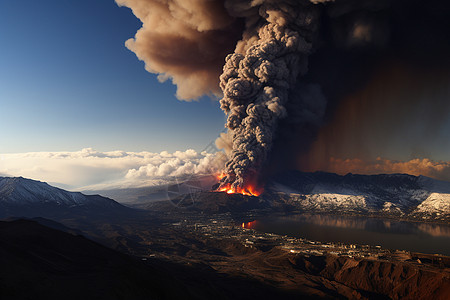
[249, 190]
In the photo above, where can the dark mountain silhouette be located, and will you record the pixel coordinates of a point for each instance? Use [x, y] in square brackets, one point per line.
[43, 263]
[38, 262]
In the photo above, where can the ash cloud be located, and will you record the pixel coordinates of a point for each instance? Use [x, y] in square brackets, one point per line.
[257, 79]
[297, 76]
[401, 110]
[386, 87]
[185, 41]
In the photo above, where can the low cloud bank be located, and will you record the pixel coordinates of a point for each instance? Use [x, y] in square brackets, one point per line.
[91, 169]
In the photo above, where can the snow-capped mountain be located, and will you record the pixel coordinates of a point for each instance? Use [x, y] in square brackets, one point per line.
[26, 197]
[403, 195]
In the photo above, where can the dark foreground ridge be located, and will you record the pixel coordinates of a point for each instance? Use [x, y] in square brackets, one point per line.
[43, 263]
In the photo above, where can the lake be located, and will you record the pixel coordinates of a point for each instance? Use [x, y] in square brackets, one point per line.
[388, 233]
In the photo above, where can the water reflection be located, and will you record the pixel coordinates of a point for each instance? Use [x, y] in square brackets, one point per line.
[368, 224]
[435, 230]
[250, 225]
[412, 236]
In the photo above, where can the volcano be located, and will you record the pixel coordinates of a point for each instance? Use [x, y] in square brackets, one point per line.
[383, 195]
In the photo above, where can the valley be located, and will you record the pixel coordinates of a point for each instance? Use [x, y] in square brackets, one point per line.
[205, 245]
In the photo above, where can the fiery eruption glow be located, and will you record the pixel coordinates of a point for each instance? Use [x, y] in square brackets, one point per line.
[247, 190]
[299, 74]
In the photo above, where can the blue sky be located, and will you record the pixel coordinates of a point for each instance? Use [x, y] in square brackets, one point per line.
[67, 82]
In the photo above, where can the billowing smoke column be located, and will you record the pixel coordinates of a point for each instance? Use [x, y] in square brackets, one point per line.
[186, 40]
[293, 64]
[256, 82]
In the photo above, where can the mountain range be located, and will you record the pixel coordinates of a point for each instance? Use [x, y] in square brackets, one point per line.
[417, 197]
[30, 198]
[392, 195]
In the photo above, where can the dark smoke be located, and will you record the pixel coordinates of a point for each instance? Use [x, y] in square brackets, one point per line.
[291, 67]
[257, 79]
[185, 41]
[386, 97]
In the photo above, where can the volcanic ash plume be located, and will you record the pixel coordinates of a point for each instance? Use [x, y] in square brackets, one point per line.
[188, 41]
[185, 41]
[272, 105]
[257, 79]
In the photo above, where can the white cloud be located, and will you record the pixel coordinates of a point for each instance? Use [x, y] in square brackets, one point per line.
[90, 169]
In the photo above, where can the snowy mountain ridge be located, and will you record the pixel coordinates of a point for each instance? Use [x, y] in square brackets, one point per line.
[18, 194]
[402, 195]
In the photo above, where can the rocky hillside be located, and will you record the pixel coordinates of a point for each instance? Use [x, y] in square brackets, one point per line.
[25, 197]
[403, 195]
